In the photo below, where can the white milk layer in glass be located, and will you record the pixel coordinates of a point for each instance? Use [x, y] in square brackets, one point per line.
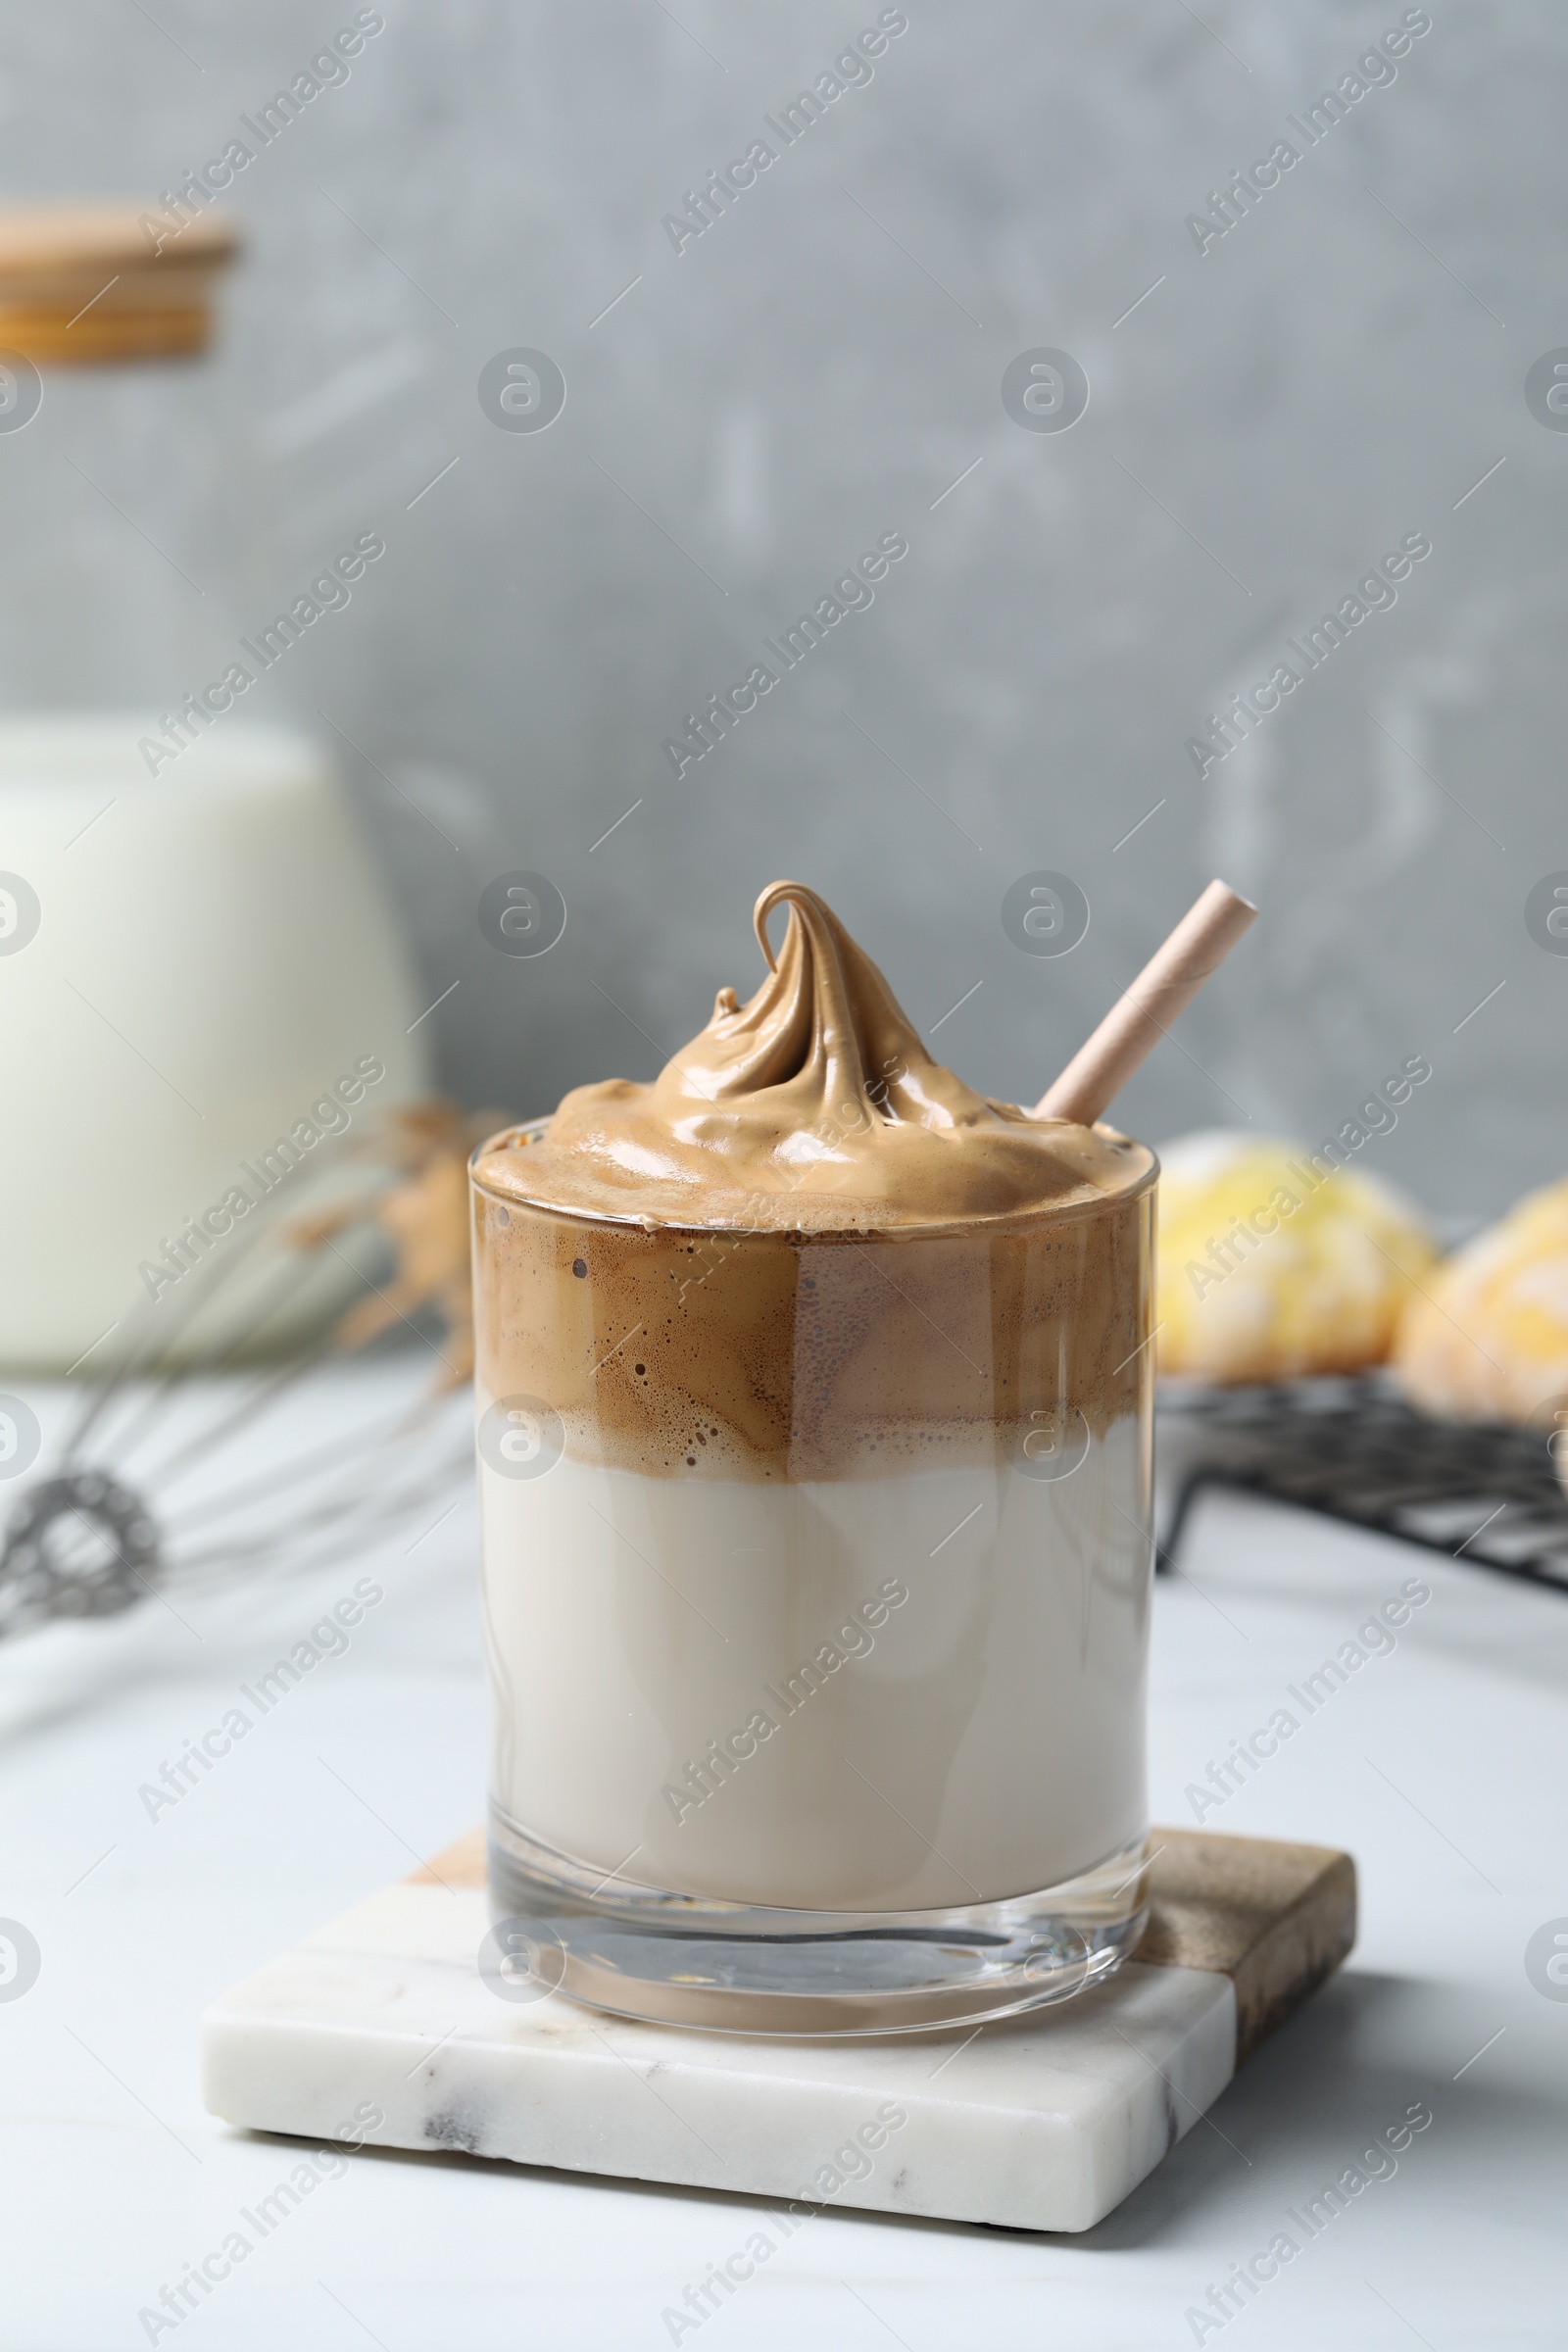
[865, 1694]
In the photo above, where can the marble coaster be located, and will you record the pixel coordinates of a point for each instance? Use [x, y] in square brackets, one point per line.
[1035, 2122]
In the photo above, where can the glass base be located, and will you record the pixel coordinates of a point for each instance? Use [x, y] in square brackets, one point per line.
[736, 1967]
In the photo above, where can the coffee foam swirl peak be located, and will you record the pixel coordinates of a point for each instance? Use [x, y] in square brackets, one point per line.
[813, 1106]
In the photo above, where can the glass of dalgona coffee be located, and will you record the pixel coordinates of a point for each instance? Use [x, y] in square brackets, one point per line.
[814, 1414]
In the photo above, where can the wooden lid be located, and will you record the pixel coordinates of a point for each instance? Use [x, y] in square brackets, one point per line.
[83, 283]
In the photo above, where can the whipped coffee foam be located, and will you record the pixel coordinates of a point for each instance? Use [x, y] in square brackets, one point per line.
[676, 1268]
[815, 1105]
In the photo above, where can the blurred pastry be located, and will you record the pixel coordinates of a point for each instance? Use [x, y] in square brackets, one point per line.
[1274, 1263]
[1490, 1342]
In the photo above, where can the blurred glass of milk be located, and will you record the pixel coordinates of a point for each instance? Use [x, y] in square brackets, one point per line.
[188, 962]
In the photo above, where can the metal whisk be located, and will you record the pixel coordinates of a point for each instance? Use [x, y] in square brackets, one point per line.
[156, 1486]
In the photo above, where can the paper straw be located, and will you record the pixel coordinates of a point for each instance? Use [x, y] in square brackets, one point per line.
[1140, 1018]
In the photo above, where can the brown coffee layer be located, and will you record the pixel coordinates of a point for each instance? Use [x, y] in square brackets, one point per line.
[788, 1355]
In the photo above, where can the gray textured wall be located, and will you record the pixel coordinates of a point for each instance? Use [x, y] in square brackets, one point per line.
[814, 370]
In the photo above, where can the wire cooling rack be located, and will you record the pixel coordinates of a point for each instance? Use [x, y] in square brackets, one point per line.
[1354, 1450]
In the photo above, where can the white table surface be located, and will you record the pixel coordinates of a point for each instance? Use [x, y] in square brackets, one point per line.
[1442, 1767]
